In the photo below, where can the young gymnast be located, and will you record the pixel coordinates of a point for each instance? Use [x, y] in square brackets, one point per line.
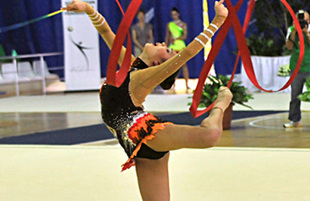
[146, 138]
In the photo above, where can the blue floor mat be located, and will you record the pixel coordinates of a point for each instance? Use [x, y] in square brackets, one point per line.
[98, 132]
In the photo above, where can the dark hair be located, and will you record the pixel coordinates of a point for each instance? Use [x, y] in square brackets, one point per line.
[169, 81]
[141, 11]
[175, 9]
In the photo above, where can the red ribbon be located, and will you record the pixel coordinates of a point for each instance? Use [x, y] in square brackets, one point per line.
[116, 78]
[207, 66]
[245, 27]
[243, 51]
[113, 77]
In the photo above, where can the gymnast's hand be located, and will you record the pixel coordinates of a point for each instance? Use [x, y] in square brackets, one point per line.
[76, 6]
[220, 9]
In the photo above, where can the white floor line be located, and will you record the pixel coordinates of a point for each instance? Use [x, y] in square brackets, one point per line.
[253, 123]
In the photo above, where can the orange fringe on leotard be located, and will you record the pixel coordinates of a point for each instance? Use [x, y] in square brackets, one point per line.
[139, 128]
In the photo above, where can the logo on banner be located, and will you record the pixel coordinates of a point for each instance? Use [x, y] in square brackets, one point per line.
[82, 49]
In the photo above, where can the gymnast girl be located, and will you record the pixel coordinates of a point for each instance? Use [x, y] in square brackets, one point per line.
[146, 138]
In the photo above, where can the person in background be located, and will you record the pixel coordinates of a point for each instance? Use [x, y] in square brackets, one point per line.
[292, 43]
[142, 33]
[175, 38]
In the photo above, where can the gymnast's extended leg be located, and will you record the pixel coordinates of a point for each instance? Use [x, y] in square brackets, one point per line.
[207, 135]
[152, 175]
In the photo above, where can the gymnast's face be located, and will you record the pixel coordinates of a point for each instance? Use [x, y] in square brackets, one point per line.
[159, 52]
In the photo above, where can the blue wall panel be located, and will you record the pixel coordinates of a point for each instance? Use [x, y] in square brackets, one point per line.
[47, 35]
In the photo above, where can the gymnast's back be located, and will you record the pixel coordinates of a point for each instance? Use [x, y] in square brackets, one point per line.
[116, 104]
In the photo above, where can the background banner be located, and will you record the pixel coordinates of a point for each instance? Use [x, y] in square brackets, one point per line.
[81, 50]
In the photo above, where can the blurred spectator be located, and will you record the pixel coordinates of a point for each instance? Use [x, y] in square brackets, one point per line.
[141, 33]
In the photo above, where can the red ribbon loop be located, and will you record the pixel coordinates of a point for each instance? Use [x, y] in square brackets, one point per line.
[243, 51]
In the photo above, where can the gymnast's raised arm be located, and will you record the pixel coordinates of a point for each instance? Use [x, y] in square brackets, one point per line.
[99, 22]
[144, 81]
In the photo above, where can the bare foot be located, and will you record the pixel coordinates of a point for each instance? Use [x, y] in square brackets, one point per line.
[224, 98]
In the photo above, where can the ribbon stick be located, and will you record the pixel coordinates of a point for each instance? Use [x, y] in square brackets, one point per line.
[22, 24]
[233, 21]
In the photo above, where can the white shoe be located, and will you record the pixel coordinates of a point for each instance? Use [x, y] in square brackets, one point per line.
[292, 124]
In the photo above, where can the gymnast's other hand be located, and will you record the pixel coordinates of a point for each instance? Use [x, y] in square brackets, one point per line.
[76, 6]
[220, 9]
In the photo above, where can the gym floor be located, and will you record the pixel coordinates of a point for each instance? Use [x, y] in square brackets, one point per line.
[257, 159]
